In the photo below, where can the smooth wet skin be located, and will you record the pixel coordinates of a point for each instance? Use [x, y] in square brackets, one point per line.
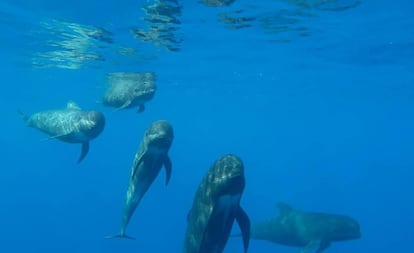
[129, 90]
[312, 231]
[216, 206]
[70, 124]
[151, 156]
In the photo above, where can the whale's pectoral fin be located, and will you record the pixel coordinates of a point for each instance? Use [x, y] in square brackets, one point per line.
[125, 105]
[212, 225]
[120, 236]
[138, 161]
[55, 137]
[218, 222]
[311, 247]
[84, 152]
[323, 246]
[168, 169]
[141, 108]
[244, 223]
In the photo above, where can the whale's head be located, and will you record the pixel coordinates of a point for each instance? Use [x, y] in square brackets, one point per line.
[92, 124]
[159, 135]
[227, 175]
[345, 228]
[145, 89]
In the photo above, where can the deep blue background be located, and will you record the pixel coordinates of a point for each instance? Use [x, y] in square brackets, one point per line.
[324, 122]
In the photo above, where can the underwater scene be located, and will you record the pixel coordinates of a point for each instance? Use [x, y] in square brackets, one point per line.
[207, 126]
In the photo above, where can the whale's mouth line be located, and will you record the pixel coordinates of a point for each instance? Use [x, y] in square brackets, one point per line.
[230, 184]
[162, 142]
[145, 93]
[236, 177]
[349, 235]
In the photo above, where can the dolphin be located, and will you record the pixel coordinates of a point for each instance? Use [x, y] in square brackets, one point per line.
[215, 207]
[151, 156]
[309, 230]
[129, 90]
[71, 124]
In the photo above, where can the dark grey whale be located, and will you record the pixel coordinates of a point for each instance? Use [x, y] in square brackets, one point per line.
[151, 156]
[215, 207]
[71, 124]
[129, 90]
[311, 231]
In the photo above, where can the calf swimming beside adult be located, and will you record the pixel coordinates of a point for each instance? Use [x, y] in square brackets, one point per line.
[309, 230]
[129, 90]
[71, 125]
[149, 159]
[215, 207]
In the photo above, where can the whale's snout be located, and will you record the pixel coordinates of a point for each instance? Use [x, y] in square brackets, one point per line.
[160, 134]
[93, 124]
[228, 174]
[97, 117]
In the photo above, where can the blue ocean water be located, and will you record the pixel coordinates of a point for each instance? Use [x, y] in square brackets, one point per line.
[316, 97]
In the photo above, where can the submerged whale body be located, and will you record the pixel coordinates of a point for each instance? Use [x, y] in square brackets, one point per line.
[151, 156]
[129, 90]
[71, 124]
[216, 206]
[309, 230]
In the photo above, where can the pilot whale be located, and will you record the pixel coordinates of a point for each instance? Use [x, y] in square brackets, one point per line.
[151, 156]
[215, 207]
[312, 231]
[71, 124]
[129, 90]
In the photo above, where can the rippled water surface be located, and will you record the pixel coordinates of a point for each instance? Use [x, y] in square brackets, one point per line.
[315, 96]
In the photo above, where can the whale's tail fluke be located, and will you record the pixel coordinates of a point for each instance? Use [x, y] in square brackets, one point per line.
[125, 236]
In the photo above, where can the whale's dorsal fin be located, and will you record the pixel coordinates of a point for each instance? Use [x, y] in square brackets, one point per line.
[72, 105]
[284, 208]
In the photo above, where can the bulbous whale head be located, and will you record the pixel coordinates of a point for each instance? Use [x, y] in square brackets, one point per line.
[146, 89]
[228, 175]
[160, 135]
[346, 228]
[92, 123]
